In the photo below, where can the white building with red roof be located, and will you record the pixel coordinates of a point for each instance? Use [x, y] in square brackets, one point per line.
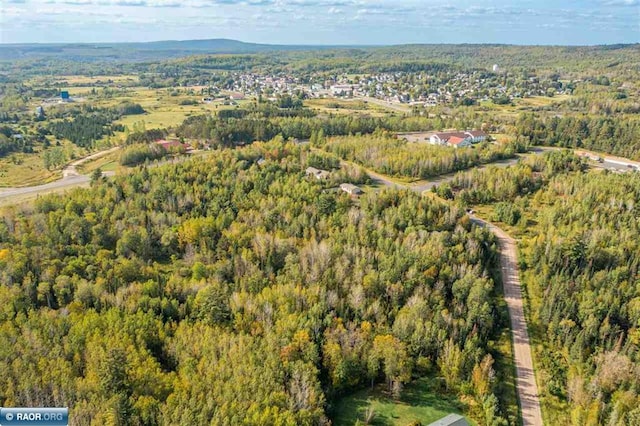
[458, 139]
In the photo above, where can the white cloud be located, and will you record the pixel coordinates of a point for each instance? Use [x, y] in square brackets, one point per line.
[621, 2]
[318, 21]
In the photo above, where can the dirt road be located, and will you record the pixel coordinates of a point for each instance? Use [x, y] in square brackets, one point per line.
[526, 379]
[70, 169]
[527, 387]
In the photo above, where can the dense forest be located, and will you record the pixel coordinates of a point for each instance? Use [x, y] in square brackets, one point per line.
[230, 129]
[496, 184]
[231, 288]
[212, 55]
[225, 290]
[616, 135]
[579, 255]
[139, 153]
[386, 153]
[90, 124]
[582, 272]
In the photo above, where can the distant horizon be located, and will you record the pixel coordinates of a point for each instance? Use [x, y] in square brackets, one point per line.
[313, 44]
[324, 22]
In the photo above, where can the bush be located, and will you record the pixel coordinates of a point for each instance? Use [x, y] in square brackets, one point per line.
[130, 108]
[138, 154]
[507, 213]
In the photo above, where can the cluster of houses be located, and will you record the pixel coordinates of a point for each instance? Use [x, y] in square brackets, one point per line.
[443, 87]
[241, 85]
[319, 174]
[420, 88]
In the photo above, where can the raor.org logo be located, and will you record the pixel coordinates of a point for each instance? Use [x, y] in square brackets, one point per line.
[34, 416]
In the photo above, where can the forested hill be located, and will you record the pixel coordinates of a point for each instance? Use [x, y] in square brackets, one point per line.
[140, 51]
[465, 55]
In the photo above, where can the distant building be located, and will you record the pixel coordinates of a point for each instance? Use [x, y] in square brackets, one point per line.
[351, 189]
[342, 90]
[496, 68]
[317, 173]
[236, 96]
[171, 145]
[451, 420]
[458, 139]
[64, 96]
[39, 112]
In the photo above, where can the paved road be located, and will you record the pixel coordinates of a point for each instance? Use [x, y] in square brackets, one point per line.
[609, 162]
[526, 380]
[67, 182]
[70, 179]
[428, 184]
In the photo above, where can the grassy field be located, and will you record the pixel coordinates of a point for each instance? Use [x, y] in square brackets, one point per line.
[350, 107]
[520, 105]
[539, 101]
[106, 163]
[420, 402]
[163, 108]
[84, 80]
[21, 169]
[24, 170]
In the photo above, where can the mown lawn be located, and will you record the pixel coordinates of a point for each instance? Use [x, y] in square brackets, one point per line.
[421, 401]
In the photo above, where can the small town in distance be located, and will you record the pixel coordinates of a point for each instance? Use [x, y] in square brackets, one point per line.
[359, 218]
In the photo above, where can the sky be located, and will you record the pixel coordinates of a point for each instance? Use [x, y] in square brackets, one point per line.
[323, 22]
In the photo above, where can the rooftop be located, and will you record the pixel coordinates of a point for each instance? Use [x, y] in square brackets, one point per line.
[451, 420]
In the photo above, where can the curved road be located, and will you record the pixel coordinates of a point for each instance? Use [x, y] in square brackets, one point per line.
[70, 179]
[526, 385]
[428, 184]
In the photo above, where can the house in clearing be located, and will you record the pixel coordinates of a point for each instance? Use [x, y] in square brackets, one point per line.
[317, 173]
[351, 189]
[458, 139]
[172, 145]
[451, 420]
